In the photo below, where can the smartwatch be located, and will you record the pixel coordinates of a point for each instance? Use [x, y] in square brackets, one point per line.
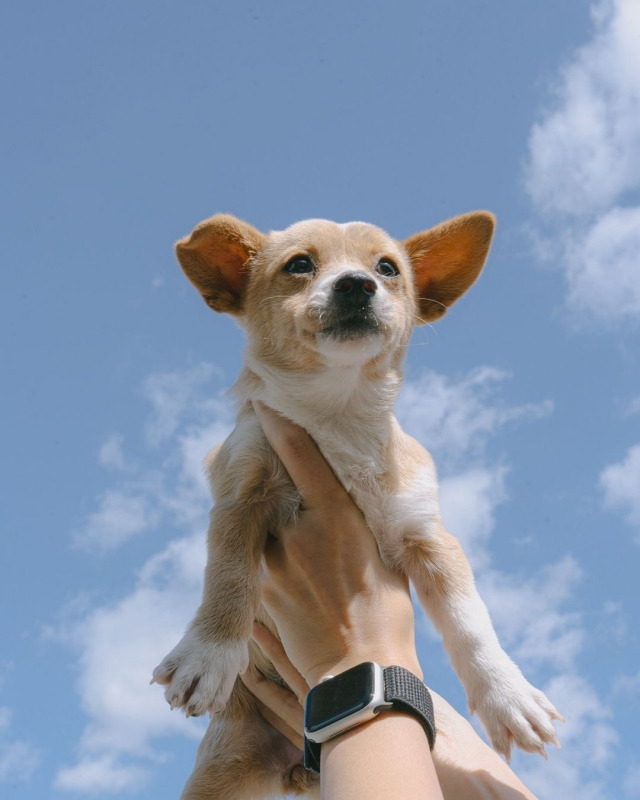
[345, 701]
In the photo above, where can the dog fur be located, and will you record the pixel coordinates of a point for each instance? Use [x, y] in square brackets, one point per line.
[328, 310]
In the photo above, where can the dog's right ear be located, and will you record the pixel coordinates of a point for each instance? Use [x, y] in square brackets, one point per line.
[215, 258]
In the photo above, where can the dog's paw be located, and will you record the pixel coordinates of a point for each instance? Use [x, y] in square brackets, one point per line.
[515, 712]
[199, 675]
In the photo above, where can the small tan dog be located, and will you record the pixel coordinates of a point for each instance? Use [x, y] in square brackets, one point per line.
[329, 310]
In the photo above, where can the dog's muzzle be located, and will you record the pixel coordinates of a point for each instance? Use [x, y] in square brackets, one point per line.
[350, 313]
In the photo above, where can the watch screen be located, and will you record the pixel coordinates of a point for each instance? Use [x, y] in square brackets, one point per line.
[339, 697]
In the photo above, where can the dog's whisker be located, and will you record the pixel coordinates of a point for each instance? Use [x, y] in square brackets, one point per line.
[273, 297]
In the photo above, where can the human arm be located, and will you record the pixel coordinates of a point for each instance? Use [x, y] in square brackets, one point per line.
[465, 765]
[335, 604]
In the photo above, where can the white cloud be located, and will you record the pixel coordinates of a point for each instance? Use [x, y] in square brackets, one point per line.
[121, 515]
[100, 776]
[111, 454]
[531, 609]
[603, 266]
[584, 160]
[620, 483]
[468, 502]
[454, 417]
[613, 623]
[627, 685]
[119, 643]
[18, 759]
[118, 646]
[528, 613]
[174, 395]
[632, 407]
[585, 153]
[187, 419]
[588, 742]
[631, 782]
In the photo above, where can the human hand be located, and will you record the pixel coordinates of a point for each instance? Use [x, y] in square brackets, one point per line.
[334, 603]
[282, 708]
[465, 765]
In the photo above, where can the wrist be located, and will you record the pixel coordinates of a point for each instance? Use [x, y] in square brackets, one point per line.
[356, 697]
[386, 758]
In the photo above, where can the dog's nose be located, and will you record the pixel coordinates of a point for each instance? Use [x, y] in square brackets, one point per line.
[355, 287]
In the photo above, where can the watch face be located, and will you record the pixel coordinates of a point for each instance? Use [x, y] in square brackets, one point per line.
[340, 697]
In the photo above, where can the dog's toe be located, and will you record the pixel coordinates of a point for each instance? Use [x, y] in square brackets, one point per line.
[199, 675]
[520, 715]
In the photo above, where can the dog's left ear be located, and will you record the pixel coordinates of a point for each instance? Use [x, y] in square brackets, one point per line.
[447, 259]
[215, 257]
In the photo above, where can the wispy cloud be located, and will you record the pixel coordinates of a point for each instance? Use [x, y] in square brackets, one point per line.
[172, 396]
[620, 483]
[18, 759]
[111, 454]
[533, 610]
[455, 416]
[603, 266]
[100, 776]
[122, 514]
[469, 500]
[628, 685]
[631, 783]
[118, 643]
[584, 166]
[529, 611]
[588, 744]
[188, 416]
[632, 407]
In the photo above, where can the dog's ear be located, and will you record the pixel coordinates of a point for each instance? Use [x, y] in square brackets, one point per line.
[447, 259]
[215, 257]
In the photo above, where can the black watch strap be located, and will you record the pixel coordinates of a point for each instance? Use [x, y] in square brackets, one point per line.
[409, 694]
[406, 693]
[311, 755]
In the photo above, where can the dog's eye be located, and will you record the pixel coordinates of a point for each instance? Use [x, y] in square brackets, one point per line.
[299, 265]
[387, 268]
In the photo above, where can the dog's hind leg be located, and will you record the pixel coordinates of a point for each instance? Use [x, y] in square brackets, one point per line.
[247, 759]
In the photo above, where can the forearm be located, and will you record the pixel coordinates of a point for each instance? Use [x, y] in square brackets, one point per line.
[387, 757]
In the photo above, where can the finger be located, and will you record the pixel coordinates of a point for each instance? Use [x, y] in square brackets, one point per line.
[283, 703]
[303, 461]
[273, 649]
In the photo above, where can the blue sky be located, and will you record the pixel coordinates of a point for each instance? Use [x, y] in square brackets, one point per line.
[124, 125]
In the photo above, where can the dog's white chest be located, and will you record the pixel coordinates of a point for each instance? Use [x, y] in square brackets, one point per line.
[391, 514]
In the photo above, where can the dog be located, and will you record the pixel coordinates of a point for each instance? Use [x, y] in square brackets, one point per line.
[329, 310]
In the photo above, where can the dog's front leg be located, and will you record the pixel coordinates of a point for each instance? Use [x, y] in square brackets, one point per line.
[200, 671]
[510, 708]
